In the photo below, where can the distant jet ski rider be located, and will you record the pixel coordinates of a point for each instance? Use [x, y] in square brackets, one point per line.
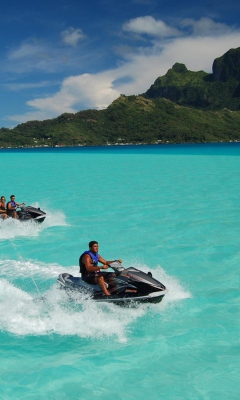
[88, 263]
[12, 207]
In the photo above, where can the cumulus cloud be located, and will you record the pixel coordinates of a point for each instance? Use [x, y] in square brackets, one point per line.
[77, 92]
[150, 26]
[138, 69]
[207, 27]
[72, 37]
[96, 89]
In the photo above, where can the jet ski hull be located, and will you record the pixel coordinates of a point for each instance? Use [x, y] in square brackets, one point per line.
[31, 213]
[155, 297]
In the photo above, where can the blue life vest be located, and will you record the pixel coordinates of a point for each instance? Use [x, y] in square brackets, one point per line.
[13, 204]
[94, 258]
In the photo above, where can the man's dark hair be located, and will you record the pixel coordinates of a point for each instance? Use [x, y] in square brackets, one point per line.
[12, 195]
[90, 244]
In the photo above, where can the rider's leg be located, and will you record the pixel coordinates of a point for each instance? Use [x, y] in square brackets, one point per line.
[101, 282]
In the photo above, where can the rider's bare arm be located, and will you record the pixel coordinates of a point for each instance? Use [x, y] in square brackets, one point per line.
[10, 207]
[88, 264]
[106, 262]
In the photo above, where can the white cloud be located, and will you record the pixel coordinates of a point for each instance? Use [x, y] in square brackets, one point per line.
[29, 85]
[33, 55]
[29, 49]
[77, 92]
[39, 55]
[207, 27]
[150, 26]
[93, 90]
[136, 72]
[72, 36]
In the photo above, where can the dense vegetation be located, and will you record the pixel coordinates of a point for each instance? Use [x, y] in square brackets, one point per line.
[182, 106]
[215, 91]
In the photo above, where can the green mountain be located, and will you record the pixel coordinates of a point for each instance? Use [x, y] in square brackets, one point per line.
[215, 91]
[182, 106]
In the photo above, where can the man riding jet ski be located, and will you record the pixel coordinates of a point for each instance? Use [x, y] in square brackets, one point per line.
[12, 207]
[24, 213]
[91, 272]
[124, 285]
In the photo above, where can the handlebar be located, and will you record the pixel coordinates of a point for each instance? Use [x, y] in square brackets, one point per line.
[116, 266]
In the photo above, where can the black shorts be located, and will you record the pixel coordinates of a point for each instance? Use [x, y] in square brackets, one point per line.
[90, 278]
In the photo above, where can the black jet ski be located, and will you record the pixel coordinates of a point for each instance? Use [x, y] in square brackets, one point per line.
[27, 213]
[128, 285]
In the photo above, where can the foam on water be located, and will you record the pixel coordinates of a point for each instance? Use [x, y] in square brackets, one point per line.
[12, 228]
[44, 312]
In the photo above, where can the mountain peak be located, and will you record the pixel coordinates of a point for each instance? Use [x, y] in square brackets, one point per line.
[227, 66]
[180, 68]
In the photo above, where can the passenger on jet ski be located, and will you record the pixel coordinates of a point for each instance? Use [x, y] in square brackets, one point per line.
[12, 207]
[88, 263]
[3, 210]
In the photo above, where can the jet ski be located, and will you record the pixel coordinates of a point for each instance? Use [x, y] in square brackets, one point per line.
[27, 213]
[128, 285]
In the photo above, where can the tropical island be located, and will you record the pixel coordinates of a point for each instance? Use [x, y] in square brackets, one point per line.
[180, 107]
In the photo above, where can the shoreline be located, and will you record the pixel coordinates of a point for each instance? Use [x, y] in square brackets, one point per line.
[167, 143]
[117, 145]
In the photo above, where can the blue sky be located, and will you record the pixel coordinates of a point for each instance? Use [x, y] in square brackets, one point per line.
[73, 55]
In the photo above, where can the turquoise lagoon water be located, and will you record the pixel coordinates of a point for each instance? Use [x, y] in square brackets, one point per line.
[173, 210]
